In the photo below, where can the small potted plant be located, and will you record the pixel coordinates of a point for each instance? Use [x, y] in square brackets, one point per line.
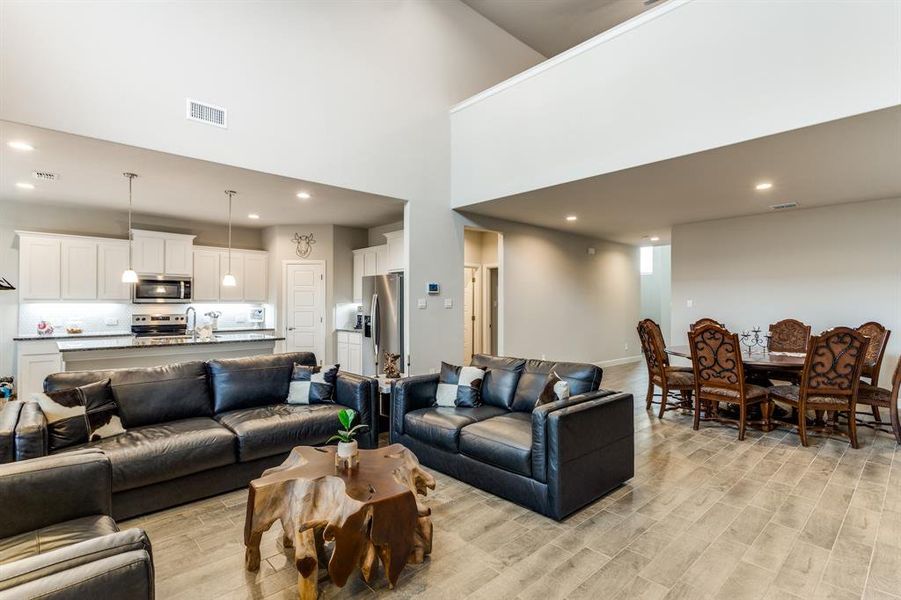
[348, 452]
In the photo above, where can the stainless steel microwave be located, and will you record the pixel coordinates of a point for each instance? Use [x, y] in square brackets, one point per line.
[162, 289]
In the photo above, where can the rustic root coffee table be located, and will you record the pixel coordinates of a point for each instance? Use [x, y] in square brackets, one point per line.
[371, 513]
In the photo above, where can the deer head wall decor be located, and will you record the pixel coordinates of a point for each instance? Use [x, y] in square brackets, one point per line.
[304, 244]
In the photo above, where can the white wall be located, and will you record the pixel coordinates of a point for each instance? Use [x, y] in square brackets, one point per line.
[831, 266]
[692, 76]
[656, 291]
[353, 94]
[561, 302]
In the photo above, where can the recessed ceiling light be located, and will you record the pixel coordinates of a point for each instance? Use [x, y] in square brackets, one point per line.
[25, 186]
[763, 185]
[303, 195]
[253, 216]
[655, 238]
[17, 145]
[572, 218]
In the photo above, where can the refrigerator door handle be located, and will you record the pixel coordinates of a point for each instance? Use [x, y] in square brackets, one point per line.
[374, 320]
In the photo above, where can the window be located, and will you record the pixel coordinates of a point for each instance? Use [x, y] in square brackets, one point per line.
[646, 260]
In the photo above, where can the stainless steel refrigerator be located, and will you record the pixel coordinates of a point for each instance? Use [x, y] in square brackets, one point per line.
[383, 318]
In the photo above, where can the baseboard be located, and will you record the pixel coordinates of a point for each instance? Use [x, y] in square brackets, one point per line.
[619, 361]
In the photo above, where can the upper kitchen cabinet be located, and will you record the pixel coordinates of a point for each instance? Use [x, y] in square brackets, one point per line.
[39, 266]
[250, 268]
[78, 258]
[112, 261]
[71, 267]
[396, 256]
[158, 253]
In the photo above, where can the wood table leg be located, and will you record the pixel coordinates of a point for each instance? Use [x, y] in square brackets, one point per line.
[307, 564]
[252, 552]
[369, 563]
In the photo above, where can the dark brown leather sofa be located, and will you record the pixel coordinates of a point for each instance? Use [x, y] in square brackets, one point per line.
[197, 429]
[57, 538]
[553, 459]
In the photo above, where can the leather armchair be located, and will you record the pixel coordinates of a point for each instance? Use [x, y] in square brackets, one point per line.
[57, 539]
[9, 416]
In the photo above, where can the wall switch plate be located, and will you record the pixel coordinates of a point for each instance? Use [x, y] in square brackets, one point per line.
[111, 321]
[544, 357]
[626, 346]
[448, 303]
[689, 303]
[421, 303]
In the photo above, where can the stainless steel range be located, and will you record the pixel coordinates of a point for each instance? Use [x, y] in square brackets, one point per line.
[144, 326]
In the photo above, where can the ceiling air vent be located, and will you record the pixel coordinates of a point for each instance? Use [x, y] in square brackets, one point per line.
[45, 176]
[207, 113]
[784, 205]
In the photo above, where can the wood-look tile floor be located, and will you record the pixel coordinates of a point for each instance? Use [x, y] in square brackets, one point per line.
[706, 516]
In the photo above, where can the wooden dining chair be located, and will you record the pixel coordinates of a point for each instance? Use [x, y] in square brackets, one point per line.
[705, 321]
[877, 397]
[878, 335]
[671, 380]
[720, 377]
[789, 335]
[829, 380]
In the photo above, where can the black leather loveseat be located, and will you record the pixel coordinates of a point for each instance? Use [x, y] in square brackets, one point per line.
[197, 429]
[57, 539]
[554, 458]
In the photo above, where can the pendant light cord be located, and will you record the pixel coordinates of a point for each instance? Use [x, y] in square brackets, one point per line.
[130, 177]
[230, 194]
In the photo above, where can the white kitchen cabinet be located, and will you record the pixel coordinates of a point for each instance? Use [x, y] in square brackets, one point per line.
[396, 256]
[358, 276]
[350, 351]
[112, 261]
[381, 259]
[36, 360]
[256, 276]
[236, 293]
[206, 275]
[159, 253]
[179, 256]
[78, 269]
[149, 254]
[39, 267]
[370, 262]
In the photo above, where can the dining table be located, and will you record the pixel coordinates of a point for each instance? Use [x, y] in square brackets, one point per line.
[758, 360]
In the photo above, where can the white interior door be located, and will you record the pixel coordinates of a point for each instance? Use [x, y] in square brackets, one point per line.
[305, 309]
[471, 322]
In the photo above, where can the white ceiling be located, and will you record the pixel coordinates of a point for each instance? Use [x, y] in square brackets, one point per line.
[91, 170]
[849, 160]
[552, 26]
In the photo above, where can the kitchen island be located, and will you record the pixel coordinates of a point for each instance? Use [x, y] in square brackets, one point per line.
[116, 353]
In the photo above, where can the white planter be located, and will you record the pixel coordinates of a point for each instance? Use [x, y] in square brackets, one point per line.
[347, 449]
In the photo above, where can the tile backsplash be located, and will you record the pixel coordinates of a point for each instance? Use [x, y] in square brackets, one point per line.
[116, 316]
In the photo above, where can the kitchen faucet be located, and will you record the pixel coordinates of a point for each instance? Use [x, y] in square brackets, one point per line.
[191, 310]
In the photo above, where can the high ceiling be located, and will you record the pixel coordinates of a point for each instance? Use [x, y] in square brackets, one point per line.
[849, 160]
[552, 26]
[90, 174]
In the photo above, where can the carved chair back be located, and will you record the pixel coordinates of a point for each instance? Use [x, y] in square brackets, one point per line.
[654, 348]
[789, 335]
[705, 321]
[716, 359]
[878, 335]
[833, 364]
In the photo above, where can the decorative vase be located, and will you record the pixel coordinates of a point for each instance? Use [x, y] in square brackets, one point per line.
[348, 455]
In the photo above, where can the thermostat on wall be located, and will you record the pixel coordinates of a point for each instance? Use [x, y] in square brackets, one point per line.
[433, 289]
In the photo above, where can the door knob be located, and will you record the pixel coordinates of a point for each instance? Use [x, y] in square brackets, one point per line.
[290, 329]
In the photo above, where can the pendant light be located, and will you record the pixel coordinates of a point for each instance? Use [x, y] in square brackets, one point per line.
[229, 280]
[129, 276]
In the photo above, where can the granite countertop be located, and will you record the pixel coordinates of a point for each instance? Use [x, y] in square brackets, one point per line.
[150, 342]
[62, 335]
[349, 330]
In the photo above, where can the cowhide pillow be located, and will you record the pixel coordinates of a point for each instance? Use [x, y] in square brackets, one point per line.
[459, 386]
[554, 389]
[312, 385]
[80, 415]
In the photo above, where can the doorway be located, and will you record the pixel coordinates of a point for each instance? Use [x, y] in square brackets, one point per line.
[482, 293]
[304, 318]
